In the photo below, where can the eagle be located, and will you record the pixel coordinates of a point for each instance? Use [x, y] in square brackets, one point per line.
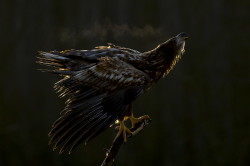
[101, 84]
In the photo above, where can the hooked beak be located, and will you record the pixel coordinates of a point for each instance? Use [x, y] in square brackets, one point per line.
[183, 35]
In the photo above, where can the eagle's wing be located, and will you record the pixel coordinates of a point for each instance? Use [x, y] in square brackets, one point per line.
[110, 74]
[124, 49]
[99, 91]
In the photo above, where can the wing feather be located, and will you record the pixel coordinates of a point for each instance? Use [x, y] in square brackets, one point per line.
[87, 114]
[111, 74]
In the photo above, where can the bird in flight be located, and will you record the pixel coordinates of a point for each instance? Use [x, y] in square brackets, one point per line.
[101, 85]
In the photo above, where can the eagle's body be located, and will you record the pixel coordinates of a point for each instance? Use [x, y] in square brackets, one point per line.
[101, 85]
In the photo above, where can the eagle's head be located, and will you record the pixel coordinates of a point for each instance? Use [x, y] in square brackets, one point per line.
[169, 52]
[174, 46]
[180, 42]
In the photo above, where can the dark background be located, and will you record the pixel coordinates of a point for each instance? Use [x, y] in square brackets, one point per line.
[200, 111]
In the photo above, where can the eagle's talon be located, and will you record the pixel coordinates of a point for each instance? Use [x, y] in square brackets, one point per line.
[122, 129]
[135, 121]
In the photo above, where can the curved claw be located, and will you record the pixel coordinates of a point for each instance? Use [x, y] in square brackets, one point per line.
[122, 129]
[134, 120]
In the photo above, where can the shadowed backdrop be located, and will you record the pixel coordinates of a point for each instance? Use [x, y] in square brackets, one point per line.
[200, 111]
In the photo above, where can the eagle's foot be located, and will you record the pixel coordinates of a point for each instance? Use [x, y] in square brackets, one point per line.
[122, 129]
[135, 121]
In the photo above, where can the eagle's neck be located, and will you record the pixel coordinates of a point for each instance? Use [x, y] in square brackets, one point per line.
[162, 59]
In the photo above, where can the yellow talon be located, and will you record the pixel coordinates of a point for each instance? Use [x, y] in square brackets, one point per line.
[123, 130]
[134, 120]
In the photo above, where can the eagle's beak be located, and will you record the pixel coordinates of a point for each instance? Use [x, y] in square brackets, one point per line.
[183, 35]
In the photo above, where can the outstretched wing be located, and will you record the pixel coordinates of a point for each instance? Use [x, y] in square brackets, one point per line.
[99, 90]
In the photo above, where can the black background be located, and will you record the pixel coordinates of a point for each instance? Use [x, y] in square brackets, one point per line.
[200, 111]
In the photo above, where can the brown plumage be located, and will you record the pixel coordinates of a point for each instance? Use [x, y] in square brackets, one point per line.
[102, 83]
